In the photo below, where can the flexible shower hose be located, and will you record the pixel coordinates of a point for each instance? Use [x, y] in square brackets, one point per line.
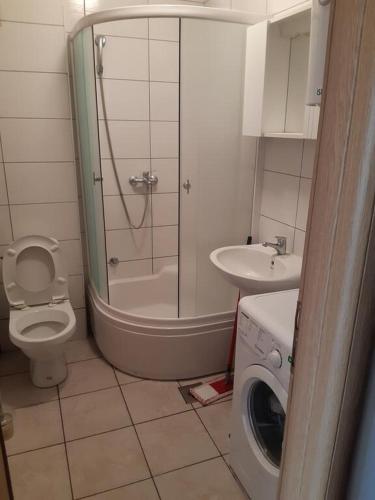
[114, 166]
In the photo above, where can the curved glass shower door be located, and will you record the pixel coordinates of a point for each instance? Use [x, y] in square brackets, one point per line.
[217, 163]
[87, 128]
[167, 103]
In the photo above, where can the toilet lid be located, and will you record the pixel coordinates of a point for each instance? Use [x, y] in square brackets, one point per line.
[33, 272]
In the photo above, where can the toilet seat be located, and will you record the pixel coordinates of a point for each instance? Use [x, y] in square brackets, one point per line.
[33, 272]
[42, 325]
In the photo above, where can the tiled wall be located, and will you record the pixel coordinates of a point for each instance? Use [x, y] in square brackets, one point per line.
[38, 191]
[283, 190]
[141, 87]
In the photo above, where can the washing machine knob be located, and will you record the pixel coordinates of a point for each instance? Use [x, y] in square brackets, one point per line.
[274, 357]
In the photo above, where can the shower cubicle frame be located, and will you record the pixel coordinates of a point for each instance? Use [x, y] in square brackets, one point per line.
[160, 348]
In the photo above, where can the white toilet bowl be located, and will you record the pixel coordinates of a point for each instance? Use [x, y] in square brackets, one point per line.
[41, 316]
[41, 332]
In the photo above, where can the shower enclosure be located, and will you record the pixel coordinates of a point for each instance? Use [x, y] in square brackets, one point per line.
[166, 177]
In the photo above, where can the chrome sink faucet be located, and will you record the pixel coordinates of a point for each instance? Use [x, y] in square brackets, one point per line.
[280, 246]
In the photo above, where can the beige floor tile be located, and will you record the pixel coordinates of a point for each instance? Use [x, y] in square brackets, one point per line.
[145, 490]
[13, 362]
[150, 399]
[80, 350]
[35, 427]
[175, 441]
[123, 378]
[40, 474]
[106, 461]
[216, 418]
[227, 459]
[94, 413]
[208, 480]
[87, 376]
[17, 391]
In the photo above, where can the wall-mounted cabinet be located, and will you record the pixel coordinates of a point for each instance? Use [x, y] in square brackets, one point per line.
[277, 57]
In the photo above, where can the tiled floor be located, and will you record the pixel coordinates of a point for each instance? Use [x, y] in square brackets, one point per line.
[106, 435]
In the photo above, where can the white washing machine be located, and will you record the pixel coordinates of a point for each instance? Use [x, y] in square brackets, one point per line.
[262, 373]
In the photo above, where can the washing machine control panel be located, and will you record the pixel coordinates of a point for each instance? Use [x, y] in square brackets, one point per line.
[260, 341]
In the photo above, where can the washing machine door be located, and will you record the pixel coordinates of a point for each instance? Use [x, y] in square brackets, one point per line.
[263, 408]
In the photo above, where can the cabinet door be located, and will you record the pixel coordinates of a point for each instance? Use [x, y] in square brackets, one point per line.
[256, 48]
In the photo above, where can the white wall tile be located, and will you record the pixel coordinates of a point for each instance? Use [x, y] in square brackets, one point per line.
[5, 227]
[115, 217]
[32, 11]
[3, 187]
[125, 100]
[125, 169]
[269, 228]
[130, 139]
[34, 95]
[76, 291]
[36, 140]
[131, 269]
[73, 11]
[128, 244]
[283, 155]
[308, 158]
[164, 61]
[81, 331]
[41, 182]
[164, 101]
[134, 28]
[279, 197]
[303, 203]
[176, 2]
[165, 241]
[32, 47]
[57, 220]
[299, 242]
[166, 171]
[164, 29]
[162, 262]
[165, 209]
[219, 4]
[72, 255]
[131, 28]
[125, 58]
[96, 5]
[254, 6]
[164, 139]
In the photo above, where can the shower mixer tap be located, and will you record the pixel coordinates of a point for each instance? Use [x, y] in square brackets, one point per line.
[147, 178]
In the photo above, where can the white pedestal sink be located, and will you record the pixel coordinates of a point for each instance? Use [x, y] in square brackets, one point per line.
[257, 269]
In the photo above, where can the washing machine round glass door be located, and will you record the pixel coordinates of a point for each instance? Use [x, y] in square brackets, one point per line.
[263, 412]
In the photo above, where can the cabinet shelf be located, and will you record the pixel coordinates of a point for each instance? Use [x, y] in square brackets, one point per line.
[285, 135]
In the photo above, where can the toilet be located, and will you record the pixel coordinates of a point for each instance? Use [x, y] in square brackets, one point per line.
[41, 315]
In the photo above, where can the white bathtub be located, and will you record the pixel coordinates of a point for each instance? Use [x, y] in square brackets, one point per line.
[135, 337]
[150, 295]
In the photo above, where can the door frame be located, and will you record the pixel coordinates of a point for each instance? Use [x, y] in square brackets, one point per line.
[335, 321]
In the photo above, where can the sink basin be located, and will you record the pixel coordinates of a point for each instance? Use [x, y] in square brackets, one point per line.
[257, 269]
